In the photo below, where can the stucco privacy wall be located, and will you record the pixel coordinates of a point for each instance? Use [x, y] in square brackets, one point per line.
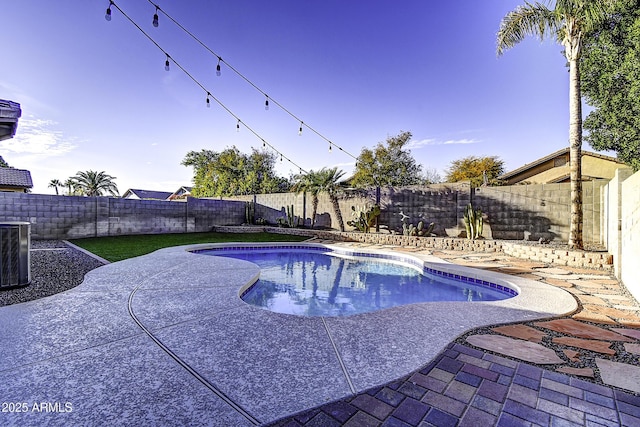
[67, 217]
[612, 217]
[630, 235]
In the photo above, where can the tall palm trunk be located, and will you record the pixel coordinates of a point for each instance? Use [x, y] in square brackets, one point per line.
[575, 155]
[314, 202]
[338, 212]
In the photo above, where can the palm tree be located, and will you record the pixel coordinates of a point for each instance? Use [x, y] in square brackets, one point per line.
[568, 22]
[92, 183]
[328, 183]
[308, 183]
[70, 184]
[314, 183]
[55, 183]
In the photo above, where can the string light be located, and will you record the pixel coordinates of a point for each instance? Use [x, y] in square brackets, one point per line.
[218, 72]
[208, 102]
[300, 130]
[220, 60]
[107, 15]
[330, 146]
[238, 126]
[155, 18]
[209, 95]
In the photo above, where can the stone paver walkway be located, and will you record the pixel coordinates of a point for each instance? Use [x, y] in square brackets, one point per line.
[582, 370]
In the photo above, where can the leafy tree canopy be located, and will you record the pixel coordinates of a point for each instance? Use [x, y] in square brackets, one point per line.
[3, 164]
[231, 173]
[390, 164]
[610, 80]
[473, 169]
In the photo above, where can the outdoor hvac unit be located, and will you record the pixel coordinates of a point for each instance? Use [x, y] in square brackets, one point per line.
[15, 242]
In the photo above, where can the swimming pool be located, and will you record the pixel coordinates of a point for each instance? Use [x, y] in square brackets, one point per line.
[316, 281]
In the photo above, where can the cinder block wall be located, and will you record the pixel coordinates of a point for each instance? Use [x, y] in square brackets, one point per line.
[510, 212]
[513, 212]
[69, 217]
[539, 211]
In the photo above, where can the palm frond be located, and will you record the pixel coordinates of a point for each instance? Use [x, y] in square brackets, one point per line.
[532, 19]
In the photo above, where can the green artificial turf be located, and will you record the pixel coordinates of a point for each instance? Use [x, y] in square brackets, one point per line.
[117, 248]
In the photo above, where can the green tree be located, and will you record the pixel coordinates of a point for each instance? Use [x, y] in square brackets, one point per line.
[3, 164]
[92, 183]
[476, 170]
[568, 23]
[610, 81]
[391, 164]
[55, 183]
[231, 172]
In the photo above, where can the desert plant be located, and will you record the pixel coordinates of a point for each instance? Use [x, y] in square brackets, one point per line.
[473, 222]
[250, 212]
[364, 219]
[419, 230]
[292, 220]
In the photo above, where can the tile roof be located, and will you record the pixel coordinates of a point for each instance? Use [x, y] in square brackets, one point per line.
[10, 177]
[148, 194]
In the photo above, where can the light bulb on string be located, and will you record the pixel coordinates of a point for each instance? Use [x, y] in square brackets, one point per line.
[266, 103]
[166, 63]
[238, 126]
[107, 15]
[264, 144]
[155, 18]
[330, 147]
[208, 102]
[300, 130]
[280, 157]
[218, 72]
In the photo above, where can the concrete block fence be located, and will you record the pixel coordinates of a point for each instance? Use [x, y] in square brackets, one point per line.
[526, 212]
[72, 217]
[519, 212]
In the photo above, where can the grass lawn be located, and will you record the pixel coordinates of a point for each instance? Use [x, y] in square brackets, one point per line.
[117, 248]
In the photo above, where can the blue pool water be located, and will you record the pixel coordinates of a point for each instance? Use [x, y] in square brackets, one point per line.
[320, 283]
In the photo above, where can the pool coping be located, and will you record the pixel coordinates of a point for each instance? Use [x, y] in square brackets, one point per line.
[249, 365]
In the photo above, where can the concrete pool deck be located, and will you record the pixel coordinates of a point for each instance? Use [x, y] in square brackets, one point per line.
[163, 339]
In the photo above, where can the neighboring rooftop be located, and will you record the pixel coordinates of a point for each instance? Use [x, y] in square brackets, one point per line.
[10, 112]
[15, 180]
[133, 193]
[555, 168]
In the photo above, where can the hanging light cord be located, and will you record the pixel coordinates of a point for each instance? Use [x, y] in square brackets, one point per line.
[221, 60]
[209, 95]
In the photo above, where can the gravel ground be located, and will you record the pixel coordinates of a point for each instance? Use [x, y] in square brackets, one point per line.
[55, 267]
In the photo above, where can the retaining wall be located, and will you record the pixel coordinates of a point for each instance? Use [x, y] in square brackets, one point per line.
[534, 252]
